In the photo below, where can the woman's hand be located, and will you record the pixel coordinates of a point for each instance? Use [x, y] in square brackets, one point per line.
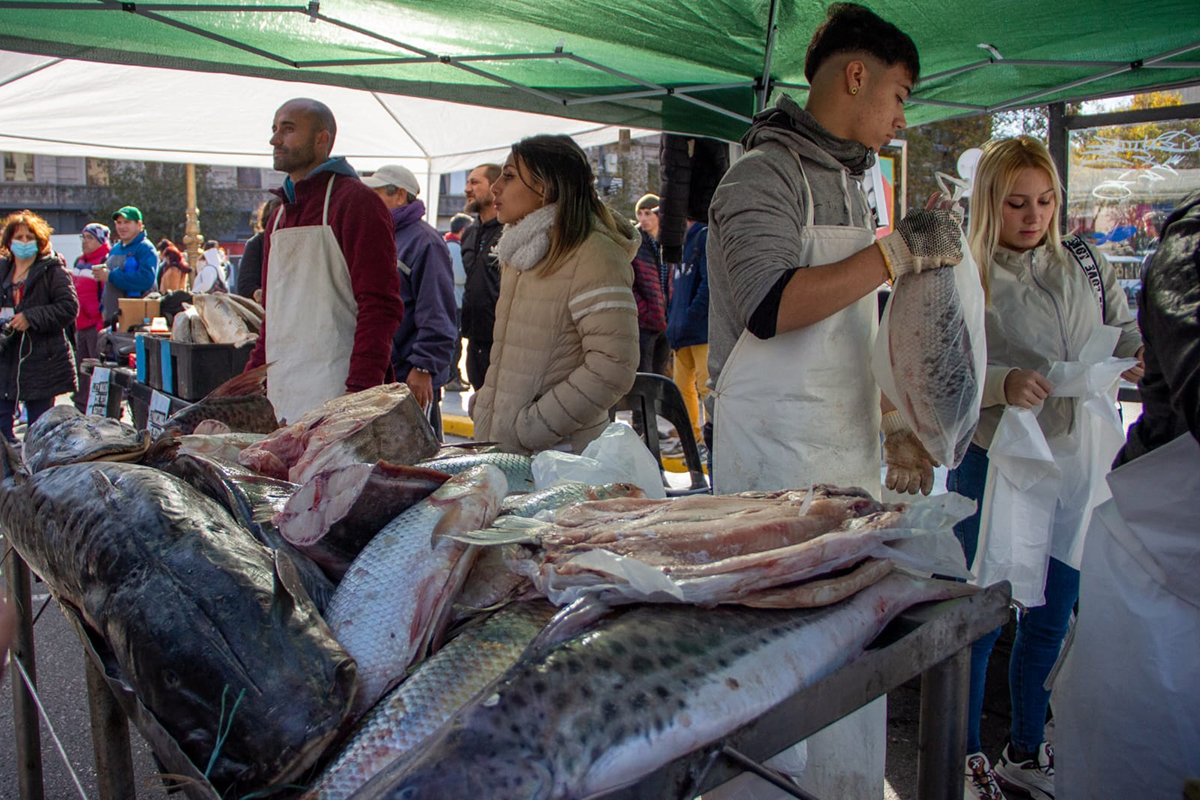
[1026, 388]
[1134, 374]
[19, 323]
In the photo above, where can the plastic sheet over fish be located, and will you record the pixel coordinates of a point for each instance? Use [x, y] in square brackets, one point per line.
[613, 703]
[180, 604]
[930, 356]
[395, 599]
[440, 686]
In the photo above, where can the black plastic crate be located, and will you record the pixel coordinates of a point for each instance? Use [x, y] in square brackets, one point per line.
[199, 368]
[152, 352]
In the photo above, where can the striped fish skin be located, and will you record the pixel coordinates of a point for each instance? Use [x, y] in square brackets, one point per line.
[440, 686]
[517, 468]
[612, 704]
[553, 498]
[392, 600]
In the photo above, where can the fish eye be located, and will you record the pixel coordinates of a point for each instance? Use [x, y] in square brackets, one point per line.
[171, 679]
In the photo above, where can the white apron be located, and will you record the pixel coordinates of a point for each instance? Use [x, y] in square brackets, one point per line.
[797, 409]
[1127, 700]
[312, 316]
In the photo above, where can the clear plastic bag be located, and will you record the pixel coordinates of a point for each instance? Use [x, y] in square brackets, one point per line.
[616, 456]
[930, 355]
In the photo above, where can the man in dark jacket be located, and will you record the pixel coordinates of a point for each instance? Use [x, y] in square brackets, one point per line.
[483, 272]
[330, 285]
[424, 342]
[687, 321]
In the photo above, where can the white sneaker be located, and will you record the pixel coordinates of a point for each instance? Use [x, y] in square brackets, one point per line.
[1035, 775]
[981, 779]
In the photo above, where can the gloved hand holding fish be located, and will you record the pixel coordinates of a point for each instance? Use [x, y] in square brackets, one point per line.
[930, 353]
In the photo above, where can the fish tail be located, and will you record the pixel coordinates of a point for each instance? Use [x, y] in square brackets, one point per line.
[253, 382]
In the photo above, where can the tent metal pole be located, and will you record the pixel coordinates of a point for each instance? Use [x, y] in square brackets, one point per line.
[764, 90]
[1060, 151]
[216, 37]
[33, 71]
[740, 117]
[956, 71]
[614, 72]
[601, 98]
[558, 101]
[400, 125]
[944, 104]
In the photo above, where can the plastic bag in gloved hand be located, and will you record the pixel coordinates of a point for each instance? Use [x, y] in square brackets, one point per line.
[616, 456]
[930, 355]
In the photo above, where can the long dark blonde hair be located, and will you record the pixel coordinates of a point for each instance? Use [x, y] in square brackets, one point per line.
[561, 167]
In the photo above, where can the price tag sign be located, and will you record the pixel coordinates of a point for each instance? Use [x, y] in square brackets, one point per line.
[160, 409]
[98, 394]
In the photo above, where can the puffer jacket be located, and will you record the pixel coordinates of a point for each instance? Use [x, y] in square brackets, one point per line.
[38, 364]
[565, 348]
[1043, 309]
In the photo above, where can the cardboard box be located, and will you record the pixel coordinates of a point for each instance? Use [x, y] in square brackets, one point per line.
[136, 312]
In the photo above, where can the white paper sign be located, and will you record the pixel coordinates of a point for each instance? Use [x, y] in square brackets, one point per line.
[98, 394]
[160, 409]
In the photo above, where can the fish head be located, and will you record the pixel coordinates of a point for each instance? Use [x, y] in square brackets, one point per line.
[471, 499]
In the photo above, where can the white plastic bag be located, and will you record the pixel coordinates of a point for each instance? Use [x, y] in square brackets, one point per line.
[616, 456]
[930, 355]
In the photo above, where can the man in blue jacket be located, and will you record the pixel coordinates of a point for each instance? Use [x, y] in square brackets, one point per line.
[424, 343]
[687, 321]
[131, 265]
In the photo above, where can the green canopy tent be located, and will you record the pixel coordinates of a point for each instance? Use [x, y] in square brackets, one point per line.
[702, 66]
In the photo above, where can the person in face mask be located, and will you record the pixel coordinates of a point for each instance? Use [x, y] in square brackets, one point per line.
[37, 305]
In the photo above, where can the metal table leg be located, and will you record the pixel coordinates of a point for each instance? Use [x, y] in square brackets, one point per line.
[110, 738]
[25, 713]
[942, 741]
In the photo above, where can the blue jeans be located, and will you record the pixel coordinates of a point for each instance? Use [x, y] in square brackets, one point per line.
[1040, 630]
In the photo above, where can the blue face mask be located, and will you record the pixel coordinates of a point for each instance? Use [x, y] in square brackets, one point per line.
[24, 249]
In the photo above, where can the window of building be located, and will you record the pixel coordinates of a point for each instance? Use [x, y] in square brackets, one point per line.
[18, 168]
[249, 178]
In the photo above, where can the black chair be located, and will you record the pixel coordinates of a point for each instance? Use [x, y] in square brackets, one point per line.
[655, 396]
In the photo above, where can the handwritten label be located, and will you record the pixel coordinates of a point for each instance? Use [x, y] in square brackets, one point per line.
[160, 409]
[98, 394]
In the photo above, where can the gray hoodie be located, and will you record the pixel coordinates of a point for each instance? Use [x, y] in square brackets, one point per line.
[758, 215]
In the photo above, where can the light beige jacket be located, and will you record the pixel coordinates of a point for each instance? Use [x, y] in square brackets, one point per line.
[1043, 309]
[565, 348]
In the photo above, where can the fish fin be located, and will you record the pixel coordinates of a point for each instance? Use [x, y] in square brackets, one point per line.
[505, 530]
[287, 586]
[108, 491]
[248, 383]
[163, 449]
[445, 613]
[14, 466]
[449, 521]
[571, 620]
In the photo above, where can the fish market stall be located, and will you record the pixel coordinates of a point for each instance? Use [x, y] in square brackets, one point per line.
[411, 601]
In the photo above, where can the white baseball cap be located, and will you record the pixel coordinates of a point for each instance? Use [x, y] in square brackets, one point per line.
[394, 175]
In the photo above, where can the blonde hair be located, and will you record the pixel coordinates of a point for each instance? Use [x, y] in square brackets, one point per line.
[1002, 162]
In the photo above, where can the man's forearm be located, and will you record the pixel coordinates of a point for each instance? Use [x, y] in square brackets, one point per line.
[815, 293]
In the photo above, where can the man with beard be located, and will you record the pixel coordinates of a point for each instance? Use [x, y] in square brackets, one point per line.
[330, 284]
[483, 272]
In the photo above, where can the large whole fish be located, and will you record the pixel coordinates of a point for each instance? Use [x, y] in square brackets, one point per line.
[253, 500]
[933, 363]
[185, 608]
[615, 702]
[395, 598]
[333, 516]
[518, 469]
[408, 716]
[240, 403]
[227, 320]
[64, 436]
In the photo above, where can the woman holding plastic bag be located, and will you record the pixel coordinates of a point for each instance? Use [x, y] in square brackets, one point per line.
[1049, 299]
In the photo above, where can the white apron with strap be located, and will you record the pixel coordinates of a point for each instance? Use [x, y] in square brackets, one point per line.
[796, 409]
[1126, 701]
[311, 316]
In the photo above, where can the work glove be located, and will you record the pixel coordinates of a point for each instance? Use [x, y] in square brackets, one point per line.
[922, 240]
[909, 465]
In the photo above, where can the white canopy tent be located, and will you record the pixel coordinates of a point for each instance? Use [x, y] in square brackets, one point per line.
[64, 107]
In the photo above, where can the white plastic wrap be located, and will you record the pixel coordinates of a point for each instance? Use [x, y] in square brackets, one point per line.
[616, 456]
[930, 355]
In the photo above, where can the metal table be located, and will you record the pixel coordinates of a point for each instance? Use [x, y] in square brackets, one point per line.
[932, 640]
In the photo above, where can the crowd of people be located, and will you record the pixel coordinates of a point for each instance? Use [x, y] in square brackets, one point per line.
[554, 302]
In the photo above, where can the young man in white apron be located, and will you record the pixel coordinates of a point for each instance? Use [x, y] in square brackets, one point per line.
[1128, 716]
[330, 284]
[793, 269]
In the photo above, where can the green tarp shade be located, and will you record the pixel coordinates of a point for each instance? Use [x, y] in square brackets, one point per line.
[691, 67]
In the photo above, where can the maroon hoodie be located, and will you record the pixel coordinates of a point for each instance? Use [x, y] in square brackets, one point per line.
[363, 228]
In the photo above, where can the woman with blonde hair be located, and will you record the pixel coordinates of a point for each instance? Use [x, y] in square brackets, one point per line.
[1047, 297]
[565, 344]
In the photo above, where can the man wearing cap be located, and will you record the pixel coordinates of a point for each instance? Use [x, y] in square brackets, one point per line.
[424, 342]
[131, 265]
[648, 291]
[329, 272]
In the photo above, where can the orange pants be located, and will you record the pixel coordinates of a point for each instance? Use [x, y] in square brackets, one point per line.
[691, 376]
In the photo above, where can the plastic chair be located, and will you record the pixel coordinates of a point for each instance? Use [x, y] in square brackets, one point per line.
[651, 396]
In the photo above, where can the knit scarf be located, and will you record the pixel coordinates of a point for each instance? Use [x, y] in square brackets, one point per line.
[524, 244]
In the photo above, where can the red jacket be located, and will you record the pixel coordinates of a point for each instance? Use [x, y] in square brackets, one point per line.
[89, 289]
[362, 226]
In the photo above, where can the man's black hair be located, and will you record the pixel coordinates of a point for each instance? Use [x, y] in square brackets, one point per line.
[851, 28]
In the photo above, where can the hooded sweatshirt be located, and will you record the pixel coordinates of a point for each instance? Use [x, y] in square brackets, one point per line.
[425, 338]
[758, 216]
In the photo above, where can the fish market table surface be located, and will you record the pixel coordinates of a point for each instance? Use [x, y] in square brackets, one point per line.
[931, 640]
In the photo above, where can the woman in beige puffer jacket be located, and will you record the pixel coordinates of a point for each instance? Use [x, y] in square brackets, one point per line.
[565, 347]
